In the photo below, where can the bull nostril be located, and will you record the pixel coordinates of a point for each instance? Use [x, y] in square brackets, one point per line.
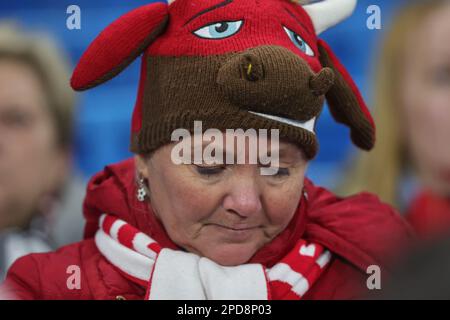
[252, 68]
[249, 69]
[322, 81]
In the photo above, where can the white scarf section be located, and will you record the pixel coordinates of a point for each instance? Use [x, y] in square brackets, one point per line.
[178, 275]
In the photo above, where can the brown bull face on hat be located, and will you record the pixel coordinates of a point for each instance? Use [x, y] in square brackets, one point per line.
[231, 64]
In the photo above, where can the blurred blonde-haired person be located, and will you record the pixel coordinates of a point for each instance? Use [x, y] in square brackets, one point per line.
[412, 110]
[39, 198]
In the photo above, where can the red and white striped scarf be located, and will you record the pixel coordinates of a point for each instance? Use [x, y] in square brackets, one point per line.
[175, 274]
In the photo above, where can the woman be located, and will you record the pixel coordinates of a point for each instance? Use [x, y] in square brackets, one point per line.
[35, 148]
[413, 94]
[196, 215]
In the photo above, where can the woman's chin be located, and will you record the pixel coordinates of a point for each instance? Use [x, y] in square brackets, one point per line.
[231, 254]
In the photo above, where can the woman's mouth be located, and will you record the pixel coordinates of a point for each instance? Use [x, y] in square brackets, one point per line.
[241, 228]
[237, 233]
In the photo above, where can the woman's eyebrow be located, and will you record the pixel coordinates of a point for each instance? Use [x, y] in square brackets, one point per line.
[217, 6]
[301, 23]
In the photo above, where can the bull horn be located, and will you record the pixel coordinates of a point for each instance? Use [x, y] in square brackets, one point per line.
[328, 13]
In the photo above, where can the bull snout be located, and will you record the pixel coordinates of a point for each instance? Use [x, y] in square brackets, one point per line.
[273, 80]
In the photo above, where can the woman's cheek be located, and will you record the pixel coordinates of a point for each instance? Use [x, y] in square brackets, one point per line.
[279, 210]
[193, 201]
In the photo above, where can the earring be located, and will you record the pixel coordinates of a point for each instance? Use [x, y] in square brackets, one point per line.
[141, 192]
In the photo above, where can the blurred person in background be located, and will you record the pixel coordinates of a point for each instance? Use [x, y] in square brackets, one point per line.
[39, 205]
[410, 165]
[422, 275]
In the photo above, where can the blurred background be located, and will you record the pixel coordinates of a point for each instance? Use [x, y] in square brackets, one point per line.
[402, 70]
[103, 115]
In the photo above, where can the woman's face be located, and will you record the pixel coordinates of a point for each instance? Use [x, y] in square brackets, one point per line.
[224, 212]
[30, 162]
[425, 98]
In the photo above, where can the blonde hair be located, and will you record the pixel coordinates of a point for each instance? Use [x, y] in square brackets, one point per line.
[380, 171]
[42, 55]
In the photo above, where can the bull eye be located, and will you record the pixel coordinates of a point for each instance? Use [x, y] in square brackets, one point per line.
[219, 30]
[299, 42]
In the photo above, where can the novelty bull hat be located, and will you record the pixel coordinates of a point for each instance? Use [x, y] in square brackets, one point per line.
[230, 64]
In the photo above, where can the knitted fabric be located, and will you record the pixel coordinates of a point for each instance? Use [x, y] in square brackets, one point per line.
[271, 73]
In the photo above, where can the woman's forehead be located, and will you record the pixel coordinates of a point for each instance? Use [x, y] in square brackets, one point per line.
[424, 43]
[234, 145]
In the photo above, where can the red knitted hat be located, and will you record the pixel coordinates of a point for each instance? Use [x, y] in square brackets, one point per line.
[230, 64]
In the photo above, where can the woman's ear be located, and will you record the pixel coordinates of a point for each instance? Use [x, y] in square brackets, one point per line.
[345, 101]
[141, 166]
[119, 45]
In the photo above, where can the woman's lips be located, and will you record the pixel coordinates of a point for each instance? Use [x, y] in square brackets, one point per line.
[240, 228]
[236, 232]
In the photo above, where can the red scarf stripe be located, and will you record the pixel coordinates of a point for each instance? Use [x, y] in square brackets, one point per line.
[127, 235]
[304, 263]
[304, 270]
[296, 282]
[282, 291]
[316, 269]
[106, 222]
[155, 247]
[314, 274]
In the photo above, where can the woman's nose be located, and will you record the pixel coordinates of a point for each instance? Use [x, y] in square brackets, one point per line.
[244, 199]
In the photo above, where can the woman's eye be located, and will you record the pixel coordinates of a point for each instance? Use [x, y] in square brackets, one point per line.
[209, 171]
[219, 30]
[299, 42]
[16, 119]
[441, 76]
[278, 172]
[282, 172]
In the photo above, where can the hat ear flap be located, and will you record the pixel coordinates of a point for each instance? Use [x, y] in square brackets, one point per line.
[119, 45]
[345, 101]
